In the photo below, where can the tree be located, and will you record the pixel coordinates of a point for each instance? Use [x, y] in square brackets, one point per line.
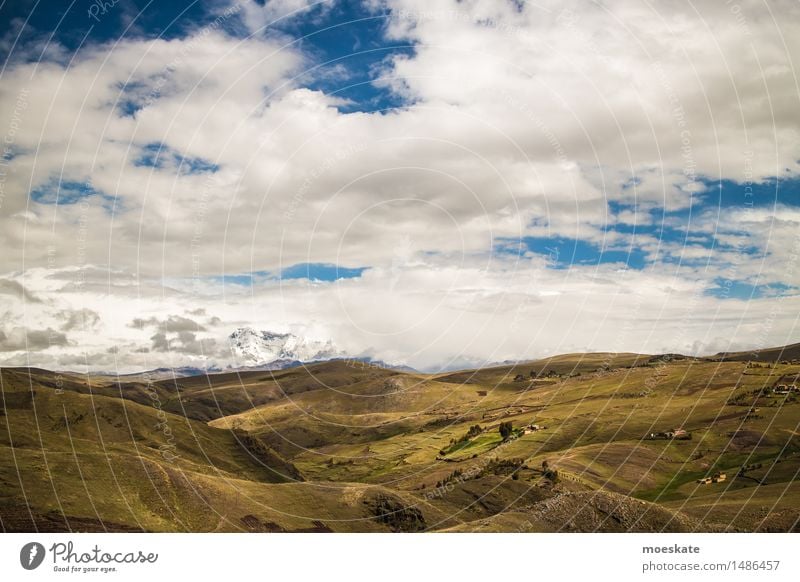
[545, 464]
[473, 432]
[506, 428]
[552, 475]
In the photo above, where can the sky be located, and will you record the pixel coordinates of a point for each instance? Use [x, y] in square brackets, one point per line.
[438, 184]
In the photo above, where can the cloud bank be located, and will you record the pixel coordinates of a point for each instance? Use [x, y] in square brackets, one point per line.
[559, 177]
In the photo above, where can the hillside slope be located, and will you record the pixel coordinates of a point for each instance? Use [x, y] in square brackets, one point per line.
[341, 446]
[777, 354]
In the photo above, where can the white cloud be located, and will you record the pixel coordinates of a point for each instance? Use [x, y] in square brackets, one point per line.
[524, 122]
[427, 314]
[258, 16]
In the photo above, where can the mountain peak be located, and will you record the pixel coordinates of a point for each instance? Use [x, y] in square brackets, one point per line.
[260, 347]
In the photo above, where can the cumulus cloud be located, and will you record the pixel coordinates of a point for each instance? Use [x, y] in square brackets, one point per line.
[445, 312]
[20, 339]
[16, 289]
[184, 343]
[179, 165]
[84, 319]
[172, 323]
[257, 16]
[673, 85]
[178, 334]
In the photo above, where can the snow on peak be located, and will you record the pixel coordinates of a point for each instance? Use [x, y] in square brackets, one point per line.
[263, 347]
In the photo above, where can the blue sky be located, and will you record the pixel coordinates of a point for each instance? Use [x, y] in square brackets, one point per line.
[422, 174]
[317, 272]
[347, 50]
[158, 155]
[682, 227]
[346, 43]
[74, 24]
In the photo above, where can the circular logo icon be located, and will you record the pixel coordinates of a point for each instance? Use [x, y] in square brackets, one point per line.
[31, 555]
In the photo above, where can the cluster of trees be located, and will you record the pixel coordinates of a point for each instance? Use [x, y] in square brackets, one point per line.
[748, 398]
[551, 474]
[506, 429]
[745, 468]
[502, 467]
[473, 432]
[454, 476]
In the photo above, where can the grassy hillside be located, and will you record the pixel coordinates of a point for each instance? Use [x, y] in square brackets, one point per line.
[782, 353]
[342, 446]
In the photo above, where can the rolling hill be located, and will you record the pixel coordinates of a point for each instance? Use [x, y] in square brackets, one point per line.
[782, 353]
[596, 442]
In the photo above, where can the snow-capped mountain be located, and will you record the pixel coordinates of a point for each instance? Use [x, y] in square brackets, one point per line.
[253, 347]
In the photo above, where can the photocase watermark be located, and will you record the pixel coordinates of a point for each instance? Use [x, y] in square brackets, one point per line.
[53, 337]
[420, 15]
[538, 122]
[738, 253]
[100, 8]
[82, 238]
[460, 16]
[195, 243]
[31, 555]
[315, 174]
[472, 472]
[569, 19]
[168, 450]
[361, 364]
[69, 560]
[679, 117]
[553, 253]
[20, 105]
[187, 48]
[741, 19]
[66, 559]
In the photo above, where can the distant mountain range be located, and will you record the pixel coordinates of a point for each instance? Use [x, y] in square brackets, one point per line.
[268, 350]
[263, 350]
